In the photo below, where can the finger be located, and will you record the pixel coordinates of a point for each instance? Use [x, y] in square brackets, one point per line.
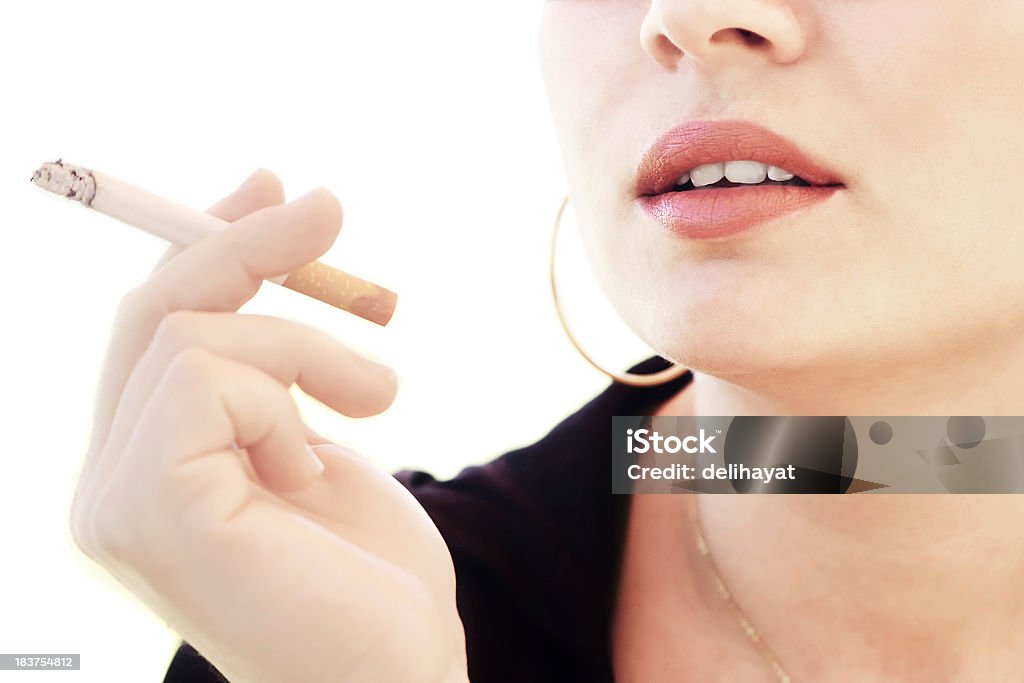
[220, 272]
[314, 438]
[184, 448]
[204, 406]
[288, 351]
[194, 548]
[356, 499]
[258, 191]
[223, 271]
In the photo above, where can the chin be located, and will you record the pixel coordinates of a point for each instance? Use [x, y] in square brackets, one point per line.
[726, 336]
[705, 350]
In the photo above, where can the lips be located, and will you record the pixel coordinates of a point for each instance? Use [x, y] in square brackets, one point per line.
[726, 208]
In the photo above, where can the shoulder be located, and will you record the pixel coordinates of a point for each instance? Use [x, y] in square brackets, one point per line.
[535, 536]
[527, 498]
[188, 666]
[552, 491]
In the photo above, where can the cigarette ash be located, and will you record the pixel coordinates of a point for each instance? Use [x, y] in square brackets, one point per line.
[73, 182]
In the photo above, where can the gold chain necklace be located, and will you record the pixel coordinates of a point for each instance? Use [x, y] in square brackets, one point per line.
[723, 590]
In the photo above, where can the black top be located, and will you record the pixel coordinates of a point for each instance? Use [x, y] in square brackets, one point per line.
[536, 539]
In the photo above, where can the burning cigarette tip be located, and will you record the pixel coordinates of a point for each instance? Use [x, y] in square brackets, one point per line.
[73, 182]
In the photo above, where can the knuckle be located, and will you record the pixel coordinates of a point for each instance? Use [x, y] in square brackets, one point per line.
[287, 405]
[278, 399]
[137, 306]
[79, 529]
[97, 529]
[131, 303]
[176, 330]
[191, 367]
[108, 531]
[78, 518]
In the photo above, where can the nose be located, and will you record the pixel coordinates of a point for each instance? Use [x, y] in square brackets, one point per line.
[710, 30]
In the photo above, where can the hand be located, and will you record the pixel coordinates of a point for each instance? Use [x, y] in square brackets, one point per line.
[278, 556]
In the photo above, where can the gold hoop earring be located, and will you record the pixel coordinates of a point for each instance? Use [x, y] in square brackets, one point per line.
[630, 378]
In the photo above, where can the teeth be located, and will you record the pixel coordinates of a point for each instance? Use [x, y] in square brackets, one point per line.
[747, 172]
[708, 174]
[776, 173]
[740, 172]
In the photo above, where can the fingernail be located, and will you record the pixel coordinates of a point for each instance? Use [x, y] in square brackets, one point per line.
[316, 466]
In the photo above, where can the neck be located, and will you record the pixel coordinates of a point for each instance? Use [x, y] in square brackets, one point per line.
[887, 578]
[877, 579]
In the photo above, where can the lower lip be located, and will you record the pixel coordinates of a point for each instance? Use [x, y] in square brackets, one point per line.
[723, 212]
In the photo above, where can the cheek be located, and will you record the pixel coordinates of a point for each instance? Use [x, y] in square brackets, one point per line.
[593, 68]
[943, 154]
[591, 60]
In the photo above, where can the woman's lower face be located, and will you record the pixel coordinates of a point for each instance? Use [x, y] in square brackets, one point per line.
[915, 109]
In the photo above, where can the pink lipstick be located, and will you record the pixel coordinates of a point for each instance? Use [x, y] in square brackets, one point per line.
[709, 179]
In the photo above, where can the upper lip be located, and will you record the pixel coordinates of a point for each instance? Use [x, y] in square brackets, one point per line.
[697, 143]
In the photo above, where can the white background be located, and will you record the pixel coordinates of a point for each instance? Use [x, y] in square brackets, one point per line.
[428, 120]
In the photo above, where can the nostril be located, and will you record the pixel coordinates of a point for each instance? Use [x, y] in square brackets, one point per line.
[750, 37]
[740, 35]
[665, 46]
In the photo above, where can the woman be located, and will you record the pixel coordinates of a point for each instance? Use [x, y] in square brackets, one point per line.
[876, 271]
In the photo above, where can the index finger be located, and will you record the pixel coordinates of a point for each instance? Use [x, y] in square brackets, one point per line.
[140, 312]
[258, 191]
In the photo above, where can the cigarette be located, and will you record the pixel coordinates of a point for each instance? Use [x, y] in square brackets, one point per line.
[182, 225]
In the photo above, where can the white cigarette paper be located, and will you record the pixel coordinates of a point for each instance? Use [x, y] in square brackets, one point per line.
[182, 225]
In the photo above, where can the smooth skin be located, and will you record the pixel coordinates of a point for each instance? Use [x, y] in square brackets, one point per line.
[901, 295]
[907, 275]
[279, 555]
